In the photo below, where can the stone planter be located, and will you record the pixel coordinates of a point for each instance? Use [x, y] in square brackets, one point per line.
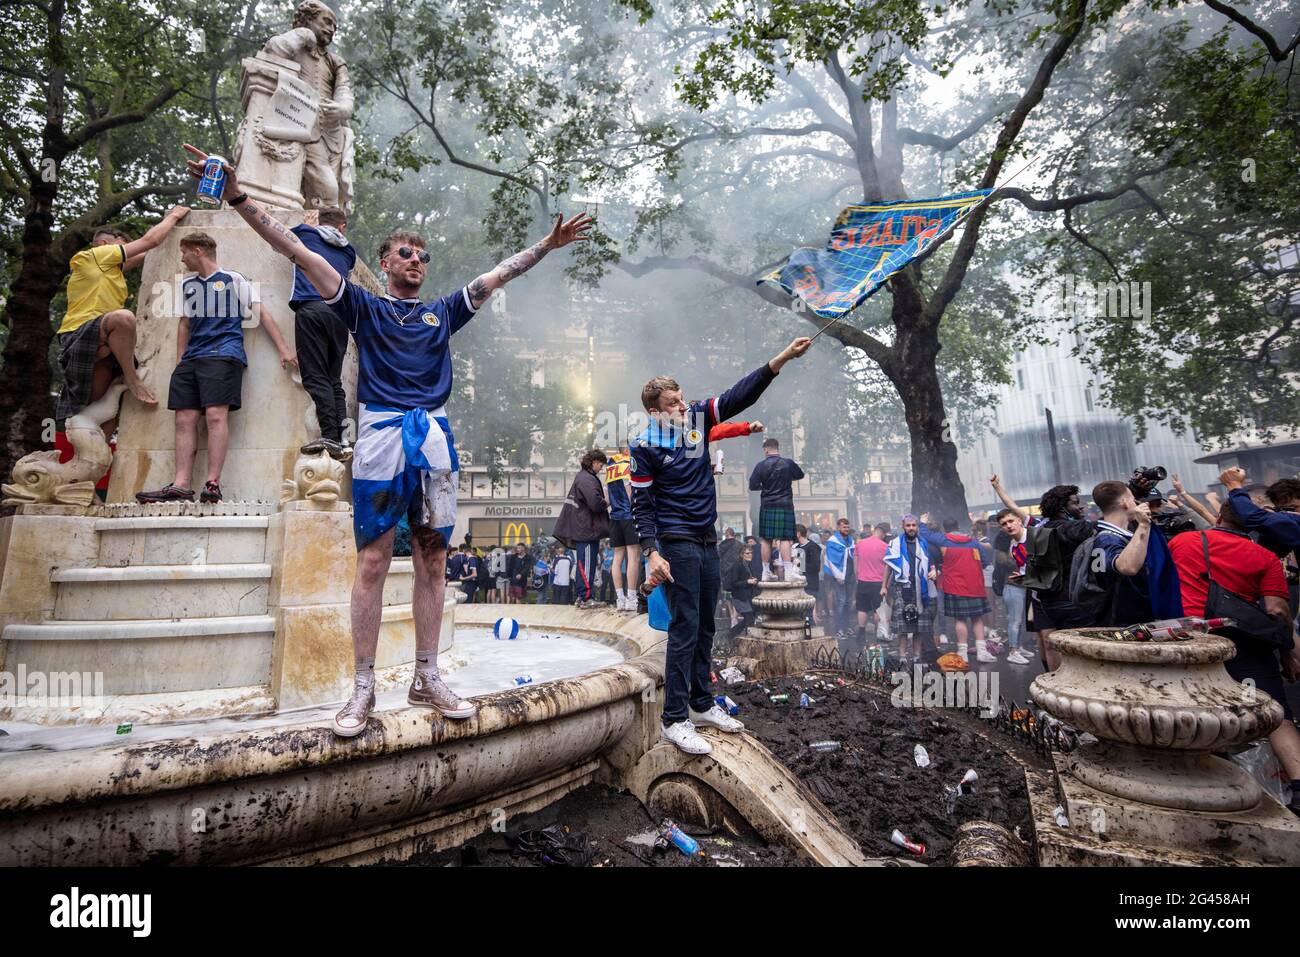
[1159, 711]
[781, 609]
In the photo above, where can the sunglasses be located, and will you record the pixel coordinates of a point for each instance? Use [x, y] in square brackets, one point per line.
[406, 252]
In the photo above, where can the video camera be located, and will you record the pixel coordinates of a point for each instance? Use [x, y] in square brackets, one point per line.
[1145, 478]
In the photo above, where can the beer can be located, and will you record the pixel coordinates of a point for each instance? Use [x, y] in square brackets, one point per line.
[213, 182]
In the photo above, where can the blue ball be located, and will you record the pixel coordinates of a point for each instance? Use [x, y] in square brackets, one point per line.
[506, 629]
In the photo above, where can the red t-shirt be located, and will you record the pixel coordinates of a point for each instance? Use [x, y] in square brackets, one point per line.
[1237, 564]
[869, 559]
[962, 572]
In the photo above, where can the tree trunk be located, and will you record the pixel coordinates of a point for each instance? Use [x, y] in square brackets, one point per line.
[936, 486]
[25, 404]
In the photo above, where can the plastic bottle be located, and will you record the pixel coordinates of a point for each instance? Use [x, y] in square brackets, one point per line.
[679, 839]
[523, 679]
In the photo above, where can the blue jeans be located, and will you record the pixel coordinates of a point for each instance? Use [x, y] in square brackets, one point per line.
[840, 598]
[692, 596]
[1013, 596]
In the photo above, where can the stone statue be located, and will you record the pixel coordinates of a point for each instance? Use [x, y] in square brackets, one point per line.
[316, 479]
[295, 148]
[41, 479]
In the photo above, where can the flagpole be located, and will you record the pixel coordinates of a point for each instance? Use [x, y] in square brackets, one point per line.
[977, 206]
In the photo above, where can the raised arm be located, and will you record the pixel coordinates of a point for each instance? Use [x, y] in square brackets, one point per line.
[316, 268]
[747, 391]
[133, 252]
[1134, 556]
[1007, 500]
[1190, 501]
[574, 231]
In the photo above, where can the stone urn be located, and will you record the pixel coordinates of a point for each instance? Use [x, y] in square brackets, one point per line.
[781, 609]
[1160, 710]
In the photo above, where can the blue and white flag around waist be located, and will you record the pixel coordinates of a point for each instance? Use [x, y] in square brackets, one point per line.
[404, 463]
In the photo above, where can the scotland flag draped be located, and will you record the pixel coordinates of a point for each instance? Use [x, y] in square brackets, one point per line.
[868, 244]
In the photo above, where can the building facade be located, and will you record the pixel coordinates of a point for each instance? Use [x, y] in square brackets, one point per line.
[1093, 443]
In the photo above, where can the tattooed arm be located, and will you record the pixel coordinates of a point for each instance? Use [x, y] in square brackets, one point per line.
[322, 275]
[561, 235]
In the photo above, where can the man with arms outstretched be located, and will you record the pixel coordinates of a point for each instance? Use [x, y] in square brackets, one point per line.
[404, 460]
[675, 507]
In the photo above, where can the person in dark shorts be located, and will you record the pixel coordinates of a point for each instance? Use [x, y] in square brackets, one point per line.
[869, 563]
[772, 478]
[622, 531]
[517, 567]
[210, 364]
[320, 336]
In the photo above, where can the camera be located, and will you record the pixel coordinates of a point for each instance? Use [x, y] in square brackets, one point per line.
[1145, 478]
[1173, 522]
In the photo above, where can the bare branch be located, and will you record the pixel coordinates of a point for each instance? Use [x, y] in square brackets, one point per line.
[1232, 13]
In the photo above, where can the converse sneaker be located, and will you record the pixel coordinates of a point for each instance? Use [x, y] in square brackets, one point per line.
[433, 693]
[168, 493]
[351, 721]
[715, 717]
[683, 735]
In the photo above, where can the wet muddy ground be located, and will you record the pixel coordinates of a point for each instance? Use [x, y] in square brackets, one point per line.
[606, 828]
[872, 783]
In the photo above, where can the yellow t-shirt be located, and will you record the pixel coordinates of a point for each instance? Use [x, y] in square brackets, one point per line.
[96, 285]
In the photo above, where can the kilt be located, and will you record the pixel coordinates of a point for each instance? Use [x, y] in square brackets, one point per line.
[965, 606]
[924, 624]
[776, 524]
[77, 351]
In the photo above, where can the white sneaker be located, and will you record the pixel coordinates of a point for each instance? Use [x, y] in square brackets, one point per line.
[795, 578]
[985, 657]
[715, 717]
[767, 575]
[1017, 657]
[684, 736]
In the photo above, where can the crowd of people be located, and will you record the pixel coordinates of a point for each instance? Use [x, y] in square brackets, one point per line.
[647, 512]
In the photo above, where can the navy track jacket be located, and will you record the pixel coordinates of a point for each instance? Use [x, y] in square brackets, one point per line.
[673, 495]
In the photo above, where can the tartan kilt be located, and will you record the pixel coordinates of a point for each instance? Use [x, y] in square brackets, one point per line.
[77, 360]
[965, 606]
[924, 624]
[776, 524]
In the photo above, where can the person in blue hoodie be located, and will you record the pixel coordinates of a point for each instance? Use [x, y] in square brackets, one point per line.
[675, 507]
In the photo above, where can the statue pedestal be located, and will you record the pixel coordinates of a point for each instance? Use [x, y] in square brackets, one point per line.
[266, 432]
[270, 169]
[780, 640]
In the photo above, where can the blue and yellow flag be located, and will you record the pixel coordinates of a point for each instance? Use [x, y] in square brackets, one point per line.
[868, 244]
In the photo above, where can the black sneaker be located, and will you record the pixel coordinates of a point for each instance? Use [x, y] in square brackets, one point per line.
[335, 450]
[168, 493]
[211, 494]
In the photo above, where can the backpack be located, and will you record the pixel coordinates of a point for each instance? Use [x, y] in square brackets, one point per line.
[1092, 600]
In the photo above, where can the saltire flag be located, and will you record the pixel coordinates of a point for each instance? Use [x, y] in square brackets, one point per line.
[868, 244]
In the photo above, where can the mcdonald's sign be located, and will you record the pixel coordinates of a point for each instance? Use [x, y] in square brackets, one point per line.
[516, 532]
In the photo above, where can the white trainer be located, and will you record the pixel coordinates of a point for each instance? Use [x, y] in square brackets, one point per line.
[715, 717]
[1018, 657]
[985, 657]
[683, 735]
